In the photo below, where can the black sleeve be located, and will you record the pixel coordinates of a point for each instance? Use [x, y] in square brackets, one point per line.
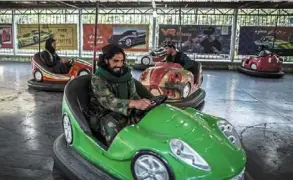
[169, 58]
[46, 58]
[203, 43]
[218, 45]
[57, 59]
[186, 62]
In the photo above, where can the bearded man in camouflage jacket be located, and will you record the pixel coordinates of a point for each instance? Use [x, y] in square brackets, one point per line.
[114, 94]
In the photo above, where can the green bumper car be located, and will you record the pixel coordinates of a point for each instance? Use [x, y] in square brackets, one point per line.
[167, 143]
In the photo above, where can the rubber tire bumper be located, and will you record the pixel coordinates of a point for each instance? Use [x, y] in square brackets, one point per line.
[261, 73]
[193, 100]
[46, 86]
[141, 66]
[72, 165]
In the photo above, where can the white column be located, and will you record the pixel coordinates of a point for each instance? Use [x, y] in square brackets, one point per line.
[80, 35]
[154, 29]
[14, 32]
[233, 36]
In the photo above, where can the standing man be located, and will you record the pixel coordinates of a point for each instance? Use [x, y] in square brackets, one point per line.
[211, 45]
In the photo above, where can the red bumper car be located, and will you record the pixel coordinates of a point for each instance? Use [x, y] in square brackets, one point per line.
[266, 64]
[45, 79]
[181, 86]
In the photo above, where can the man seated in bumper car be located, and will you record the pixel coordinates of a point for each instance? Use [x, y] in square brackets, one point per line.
[167, 143]
[53, 61]
[178, 77]
[114, 94]
[181, 58]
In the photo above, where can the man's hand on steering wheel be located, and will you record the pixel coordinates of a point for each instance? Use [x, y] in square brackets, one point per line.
[64, 60]
[155, 101]
[70, 61]
[140, 104]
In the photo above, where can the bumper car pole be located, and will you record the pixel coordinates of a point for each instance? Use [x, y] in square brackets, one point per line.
[39, 28]
[180, 29]
[95, 43]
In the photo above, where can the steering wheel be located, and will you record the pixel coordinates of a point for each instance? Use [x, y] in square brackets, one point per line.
[155, 101]
[70, 61]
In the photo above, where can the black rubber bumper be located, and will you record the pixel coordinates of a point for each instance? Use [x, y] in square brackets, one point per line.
[73, 165]
[261, 73]
[46, 86]
[141, 66]
[194, 100]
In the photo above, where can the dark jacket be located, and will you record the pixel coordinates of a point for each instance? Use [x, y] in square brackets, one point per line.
[50, 59]
[182, 59]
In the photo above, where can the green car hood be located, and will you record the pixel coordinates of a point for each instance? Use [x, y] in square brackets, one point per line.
[284, 44]
[166, 122]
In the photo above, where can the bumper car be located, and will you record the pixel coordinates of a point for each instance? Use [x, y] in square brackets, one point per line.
[167, 143]
[44, 79]
[146, 60]
[181, 86]
[266, 64]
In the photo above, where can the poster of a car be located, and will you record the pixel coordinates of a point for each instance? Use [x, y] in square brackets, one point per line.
[127, 37]
[6, 36]
[33, 37]
[29, 35]
[203, 39]
[270, 42]
[252, 39]
[131, 37]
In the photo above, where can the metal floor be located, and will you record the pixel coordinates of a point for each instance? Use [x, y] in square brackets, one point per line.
[260, 109]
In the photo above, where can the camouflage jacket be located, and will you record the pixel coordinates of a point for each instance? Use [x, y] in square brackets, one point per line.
[105, 95]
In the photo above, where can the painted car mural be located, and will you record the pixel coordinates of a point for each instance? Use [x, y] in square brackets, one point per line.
[128, 38]
[5, 35]
[33, 38]
[269, 42]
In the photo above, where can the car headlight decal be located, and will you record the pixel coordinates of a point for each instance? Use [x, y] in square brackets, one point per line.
[229, 131]
[188, 155]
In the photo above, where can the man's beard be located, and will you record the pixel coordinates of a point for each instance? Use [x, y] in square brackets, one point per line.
[117, 71]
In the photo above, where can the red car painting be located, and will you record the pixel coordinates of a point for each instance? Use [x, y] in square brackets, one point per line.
[5, 35]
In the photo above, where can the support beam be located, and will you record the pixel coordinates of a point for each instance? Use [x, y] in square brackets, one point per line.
[95, 43]
[39, 29]
[14, 32]
[233, 36]
[80, 33]
[180, 28]
[154, 24]
[154, 31]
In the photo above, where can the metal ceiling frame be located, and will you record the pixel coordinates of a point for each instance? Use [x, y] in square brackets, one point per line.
[140, 3]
